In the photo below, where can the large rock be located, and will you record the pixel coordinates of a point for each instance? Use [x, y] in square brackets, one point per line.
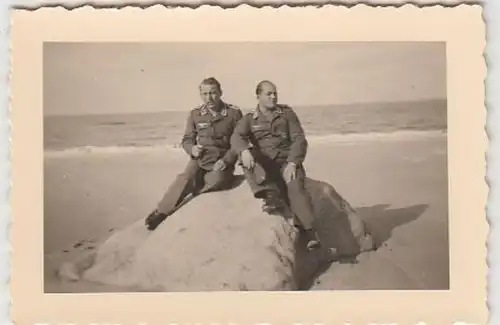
[223, 241]
[337, 221]
[343, 234]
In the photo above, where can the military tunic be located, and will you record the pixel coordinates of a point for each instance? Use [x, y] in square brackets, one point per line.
[213, 131]
[275, 140]
[279, 137]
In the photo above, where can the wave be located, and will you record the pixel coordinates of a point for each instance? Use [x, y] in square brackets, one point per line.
[312, 139]
[375, 136]
[110, 150]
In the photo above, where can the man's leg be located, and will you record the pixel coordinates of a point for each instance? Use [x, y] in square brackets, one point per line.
[256, 181]
[301, 205]
[263, 188]
[183, 184]
[217, 180]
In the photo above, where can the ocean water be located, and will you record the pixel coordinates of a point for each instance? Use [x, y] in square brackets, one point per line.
[166, 128]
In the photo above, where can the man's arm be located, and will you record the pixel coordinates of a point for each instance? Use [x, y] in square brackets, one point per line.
[231, 155]
[298, 149]
[240, 137]
[189, 137]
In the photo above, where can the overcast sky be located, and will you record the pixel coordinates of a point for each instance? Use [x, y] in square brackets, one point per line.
[141, 77]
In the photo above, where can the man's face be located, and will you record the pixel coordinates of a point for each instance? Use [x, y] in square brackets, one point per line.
[268, 96]
[210, 95]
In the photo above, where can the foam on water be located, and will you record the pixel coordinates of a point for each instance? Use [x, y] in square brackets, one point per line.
[375, 136]
[122, 132]
[110, 150]
[313, 140]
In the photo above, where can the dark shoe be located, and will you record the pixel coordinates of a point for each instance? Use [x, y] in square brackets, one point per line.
[312, 240]
[154, 219]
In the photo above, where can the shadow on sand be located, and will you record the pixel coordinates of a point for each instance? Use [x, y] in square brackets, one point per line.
[335, 230]
[381, 220]
[337, 222]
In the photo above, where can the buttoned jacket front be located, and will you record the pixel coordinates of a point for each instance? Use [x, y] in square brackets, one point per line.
[212, 130]
[278, 135]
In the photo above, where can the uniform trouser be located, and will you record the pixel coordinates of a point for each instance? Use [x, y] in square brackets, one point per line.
[294, 192]
[193, 179]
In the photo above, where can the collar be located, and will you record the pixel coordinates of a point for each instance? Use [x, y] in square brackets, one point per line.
[204, 110]
[277, 110]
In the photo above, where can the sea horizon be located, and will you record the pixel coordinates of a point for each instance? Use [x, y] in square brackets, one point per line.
[165, 129]
[359, 104]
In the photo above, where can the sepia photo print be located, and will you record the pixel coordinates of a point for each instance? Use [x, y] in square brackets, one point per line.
[308, 165]
[244, 166]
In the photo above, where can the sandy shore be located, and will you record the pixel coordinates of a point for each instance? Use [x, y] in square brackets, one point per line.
[399, 185]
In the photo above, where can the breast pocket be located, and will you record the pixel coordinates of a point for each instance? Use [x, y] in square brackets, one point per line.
[280, 129]
[259, 131]
[223, 128]
[204, 127]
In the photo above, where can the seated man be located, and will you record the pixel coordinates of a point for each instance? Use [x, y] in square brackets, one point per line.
[207, 142]
[273, 165]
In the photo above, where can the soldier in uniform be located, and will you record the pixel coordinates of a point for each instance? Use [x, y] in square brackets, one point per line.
[271, 139]
[207, 142]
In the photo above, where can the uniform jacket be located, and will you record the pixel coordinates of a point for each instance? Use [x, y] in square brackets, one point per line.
[212, 131]
[280, 138]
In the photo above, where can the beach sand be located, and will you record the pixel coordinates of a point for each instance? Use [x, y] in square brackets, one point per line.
[397, 183]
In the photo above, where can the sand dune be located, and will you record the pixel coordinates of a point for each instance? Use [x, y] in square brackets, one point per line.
[226, 249]
[233, 247]
[398, 188]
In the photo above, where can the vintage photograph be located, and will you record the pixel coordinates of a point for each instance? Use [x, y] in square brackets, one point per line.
[248, 166]
[245, 166]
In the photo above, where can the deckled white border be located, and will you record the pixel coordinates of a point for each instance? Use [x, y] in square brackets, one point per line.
[492, 51]
[492, 54]
[108, 3]
[5, 218]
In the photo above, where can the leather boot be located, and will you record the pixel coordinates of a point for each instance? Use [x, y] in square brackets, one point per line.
[154, 219]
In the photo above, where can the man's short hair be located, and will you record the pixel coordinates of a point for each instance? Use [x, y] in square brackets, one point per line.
[211, 81]
[258, 89]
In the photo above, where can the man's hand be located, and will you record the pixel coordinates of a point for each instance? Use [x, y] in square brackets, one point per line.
[219, 165]
[196, 151]
[247, 159]
[290, 172]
